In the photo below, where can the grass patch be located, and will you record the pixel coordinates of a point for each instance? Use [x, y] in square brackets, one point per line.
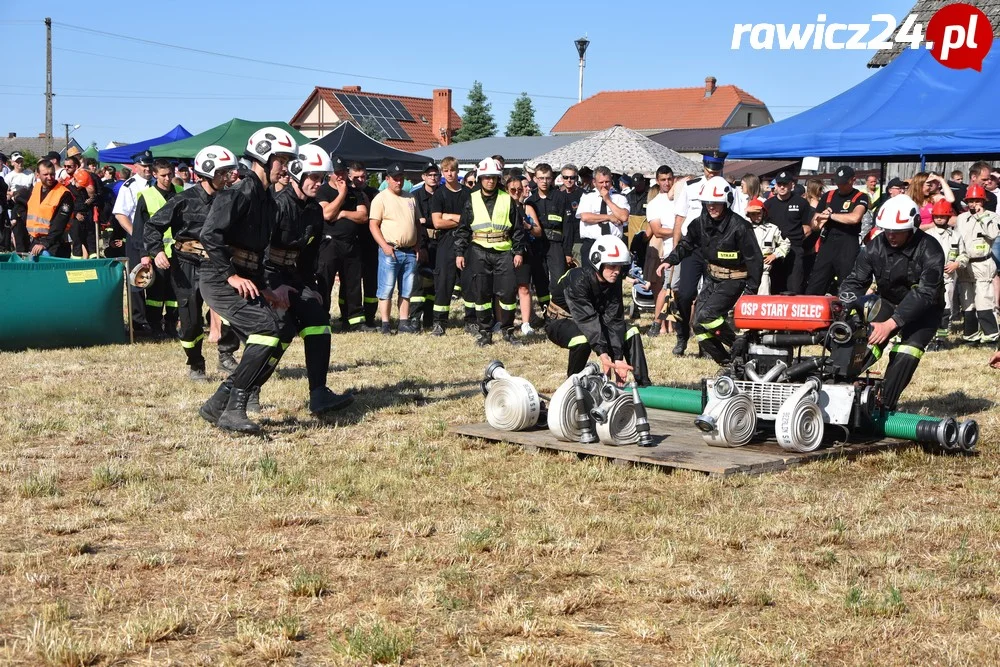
[309, 584]
[39, 485]
[376, 641]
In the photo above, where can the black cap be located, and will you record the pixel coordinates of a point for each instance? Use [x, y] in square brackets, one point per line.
[844, 175]
[339, 164]
[585, 172]
[636, 177]
[714, 160]
[52, 155]
[430, 166]
[784, 176]
[626, 179]
[896, 183]
[144, 158]
[394, 169]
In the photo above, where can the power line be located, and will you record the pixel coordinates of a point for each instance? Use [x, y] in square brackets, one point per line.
[272, 63]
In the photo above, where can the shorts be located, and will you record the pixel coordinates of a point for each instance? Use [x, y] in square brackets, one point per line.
[399, 269]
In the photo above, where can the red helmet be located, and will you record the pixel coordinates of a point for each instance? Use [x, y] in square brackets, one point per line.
[975, 191]
[942, 207]
[754, 204]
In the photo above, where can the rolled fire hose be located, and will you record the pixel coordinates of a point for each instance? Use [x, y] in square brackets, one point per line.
[512, 403]
[799, 424]
[564, 408]
[730, 422]
[616, 423]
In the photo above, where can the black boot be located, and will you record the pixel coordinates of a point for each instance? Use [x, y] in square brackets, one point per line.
[323, 400]
[682, 343]
[197, 374]
[214, 407]
[234, 417]
[508, 337]
[253, 400]
[485, 338]
[227, 362]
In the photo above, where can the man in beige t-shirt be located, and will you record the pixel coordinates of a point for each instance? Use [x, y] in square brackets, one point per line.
[394, 227]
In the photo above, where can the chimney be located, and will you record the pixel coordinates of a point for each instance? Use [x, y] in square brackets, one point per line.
[710, 82]
[12, 135]
[351, 89]
[42, 135]
[441, 116]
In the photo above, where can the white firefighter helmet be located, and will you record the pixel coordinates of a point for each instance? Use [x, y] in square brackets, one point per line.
[609, 249]
[141, 276]
[489, 167]
[717, 189]
[311, 160]
[268, 141]
[211, 159]
[900, 213]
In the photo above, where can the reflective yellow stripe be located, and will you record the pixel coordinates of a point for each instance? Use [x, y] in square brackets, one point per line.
[272, 361]
[545, 298]
[417, 299]
[266, 341]
[577, 340]
[876, 351]
[704, 336]
[151, 302]
[508, 306]
[469, 304]
[442, 309]
[191, 344]
[714, 323]
[631, 332]
[908, 349]
[316, 331]
[284, 345]
[554, 217]
[170, 304]
[728, 255]
[369, 299]
[354, 320]
[483, 306]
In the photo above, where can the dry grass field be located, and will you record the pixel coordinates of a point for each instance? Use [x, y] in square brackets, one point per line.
[131, 532]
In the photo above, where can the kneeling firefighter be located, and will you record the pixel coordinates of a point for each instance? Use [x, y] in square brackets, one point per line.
[586, 313]
[489, 244]
[733, 265]
[291, 263]
[907, 267]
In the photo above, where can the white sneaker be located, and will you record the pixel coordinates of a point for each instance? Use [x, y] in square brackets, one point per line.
[526, 329]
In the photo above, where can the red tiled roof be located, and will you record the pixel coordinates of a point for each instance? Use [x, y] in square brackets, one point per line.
[663, 109]
[424, 135]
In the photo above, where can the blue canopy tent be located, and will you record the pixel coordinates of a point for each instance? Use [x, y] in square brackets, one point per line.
[913, 109]
[124, 154]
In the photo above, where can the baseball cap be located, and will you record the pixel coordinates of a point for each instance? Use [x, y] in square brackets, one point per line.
[714, 161]
[16, 155]
[784, 176]
[52, 155]
[430, 166]
[394, 169]
[339, 164]
[896, 183]
[626, 179]
[585, 172]
[636, 177]
[144, 158]
[844, 175]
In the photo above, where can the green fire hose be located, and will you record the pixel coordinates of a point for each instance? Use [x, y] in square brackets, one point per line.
[901, 425]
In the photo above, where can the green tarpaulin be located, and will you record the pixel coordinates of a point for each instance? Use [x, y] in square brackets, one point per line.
[90, 152]
[232, 135]
[53, 302]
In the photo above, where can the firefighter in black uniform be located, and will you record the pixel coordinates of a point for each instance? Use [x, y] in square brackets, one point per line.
[489, 243]
[345, 210]
[447, 204]
[586, 314]
[184, 216]
[554, 247]
[160, 297]
[907, 267]
[291, 262]
[733, 265]
[423, 299]
[838, 217]
[367, 248]
[235, 236]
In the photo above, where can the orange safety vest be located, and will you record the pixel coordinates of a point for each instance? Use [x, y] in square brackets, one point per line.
[41, 211]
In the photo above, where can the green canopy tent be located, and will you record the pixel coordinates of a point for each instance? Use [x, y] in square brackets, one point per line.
[232, 134]
[90, 152]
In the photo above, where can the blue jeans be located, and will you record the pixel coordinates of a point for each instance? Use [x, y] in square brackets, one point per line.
[401, 269]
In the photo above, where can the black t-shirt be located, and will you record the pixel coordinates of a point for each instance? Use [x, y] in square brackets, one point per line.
[342, 228]
[447, 201]
[843, 204]
[423, 201]
[789, 215]
[572, 200]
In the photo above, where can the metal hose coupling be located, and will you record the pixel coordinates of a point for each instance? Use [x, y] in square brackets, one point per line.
[968, 435]
[728, 422]
[587, 435]
[943, 433]
[641, 420]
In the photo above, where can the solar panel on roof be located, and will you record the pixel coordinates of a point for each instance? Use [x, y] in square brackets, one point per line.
[401, 112]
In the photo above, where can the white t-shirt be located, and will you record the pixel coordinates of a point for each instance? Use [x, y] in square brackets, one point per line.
[25, 179]
[591, 203]
[686, 202]
[661, 208]
[127, 198]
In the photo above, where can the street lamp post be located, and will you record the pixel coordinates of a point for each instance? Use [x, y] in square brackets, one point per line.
[581, 48]
[69, 132]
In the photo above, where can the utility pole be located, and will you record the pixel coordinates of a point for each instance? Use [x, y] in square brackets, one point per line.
[581, 48]
[66, 125]
[48, 86]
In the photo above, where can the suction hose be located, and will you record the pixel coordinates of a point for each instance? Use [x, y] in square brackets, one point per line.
[927, 430]
[671, 398]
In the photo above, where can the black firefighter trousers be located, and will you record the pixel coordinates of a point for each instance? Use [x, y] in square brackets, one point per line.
[343, 258]
[307, 317]
[711, 329]
[491, 274]
[184, 276]
[564, 333]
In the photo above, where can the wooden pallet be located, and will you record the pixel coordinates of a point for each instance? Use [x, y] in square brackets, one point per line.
[680, 445]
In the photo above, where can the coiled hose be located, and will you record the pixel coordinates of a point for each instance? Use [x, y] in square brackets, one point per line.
[729, 422]
[799, 425]
[512, 403]
[616, 423]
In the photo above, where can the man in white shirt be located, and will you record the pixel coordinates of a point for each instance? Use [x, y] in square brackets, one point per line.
[600, 212]
[19, 181]
[660, 214]
[124, 211]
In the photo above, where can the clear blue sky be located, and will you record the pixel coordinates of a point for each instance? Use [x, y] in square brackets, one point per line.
[123, 90]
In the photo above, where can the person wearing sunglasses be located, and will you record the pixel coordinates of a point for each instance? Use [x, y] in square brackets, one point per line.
[572, 194]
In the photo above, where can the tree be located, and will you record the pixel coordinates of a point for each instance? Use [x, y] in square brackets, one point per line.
[30, 159]
[477, 119]
[371, 128]
[522, 119]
